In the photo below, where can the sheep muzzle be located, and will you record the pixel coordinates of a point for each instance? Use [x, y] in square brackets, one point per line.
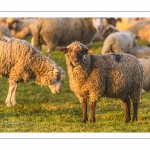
[56, 87]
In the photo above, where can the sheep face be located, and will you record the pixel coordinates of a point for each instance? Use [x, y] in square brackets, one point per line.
[53, 79]
[97, 23]
[76, 51]
[56, 83]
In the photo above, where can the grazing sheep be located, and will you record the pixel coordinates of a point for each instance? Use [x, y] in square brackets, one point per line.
[119, 42]
[4, 31]
[55, 32]
[111, 75]
[140, 51]
[146, 75]
[19, 28]
[20, 61]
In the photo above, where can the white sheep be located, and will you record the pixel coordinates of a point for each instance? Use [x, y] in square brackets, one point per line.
[20, 61]
[111, 75]
[119, 42]
[55, 32]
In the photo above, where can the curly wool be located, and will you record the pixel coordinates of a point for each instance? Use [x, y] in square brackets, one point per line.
[102, 75]
[20, 61]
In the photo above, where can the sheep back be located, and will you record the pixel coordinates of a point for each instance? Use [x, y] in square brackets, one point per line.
[103, 75]
[140, 51]
[20, 61]
[55, 32]
[119, 42]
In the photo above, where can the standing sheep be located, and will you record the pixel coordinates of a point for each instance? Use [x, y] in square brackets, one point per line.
[111, 75]
[119, 42]
[55, 32]
[20, 61]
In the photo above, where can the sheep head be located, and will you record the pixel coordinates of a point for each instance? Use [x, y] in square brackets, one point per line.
[108, 30]
[76, 51]
[97, 23]
[56, 82]
[52, 79]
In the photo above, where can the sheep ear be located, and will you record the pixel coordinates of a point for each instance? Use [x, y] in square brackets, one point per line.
[64, 50]
[90, 51]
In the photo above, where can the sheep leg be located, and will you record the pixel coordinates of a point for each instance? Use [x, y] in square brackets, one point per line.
[84, 111]
[10, 100]
[135, 111]
[13, 97]
[126, 102]
[92, 108]
[49, 51]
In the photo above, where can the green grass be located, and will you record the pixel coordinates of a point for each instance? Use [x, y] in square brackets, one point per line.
[38, 110]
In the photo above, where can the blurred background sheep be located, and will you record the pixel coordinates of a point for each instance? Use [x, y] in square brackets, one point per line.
[141, 28]
[4, 31]
[55, 32]
[119, 42]
[140, 51]
[19, 27]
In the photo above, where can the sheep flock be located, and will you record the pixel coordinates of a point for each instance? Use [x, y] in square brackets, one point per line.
[120, 70]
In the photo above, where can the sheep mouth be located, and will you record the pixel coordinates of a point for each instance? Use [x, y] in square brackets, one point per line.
[55, 88]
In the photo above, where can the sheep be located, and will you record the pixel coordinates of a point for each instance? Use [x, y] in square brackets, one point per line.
[55, 32]
[108, 30]
[124, 23]
[92, 76]
[140, 51]
[19, 27]
[119, 42]
[20, 61]
[107, 22]
[145, 61]
[141, 28]
[4, 31]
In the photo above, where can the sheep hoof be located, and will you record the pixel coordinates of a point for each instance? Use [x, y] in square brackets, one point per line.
[127, 121]
[135, 119]
[93, 121]
[8, 104]
[84, 120]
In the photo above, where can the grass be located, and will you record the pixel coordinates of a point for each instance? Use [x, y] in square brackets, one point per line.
[38, 110]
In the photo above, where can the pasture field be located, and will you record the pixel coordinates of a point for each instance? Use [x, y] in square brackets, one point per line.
[38, 110]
